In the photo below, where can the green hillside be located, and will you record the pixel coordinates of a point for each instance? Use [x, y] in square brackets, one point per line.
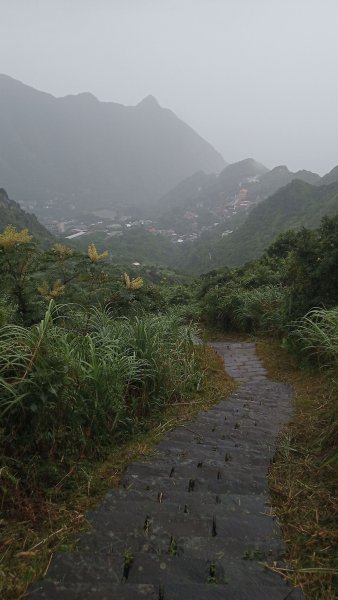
[12, 214]
[299, 204]
[135, 245]
[227, 198]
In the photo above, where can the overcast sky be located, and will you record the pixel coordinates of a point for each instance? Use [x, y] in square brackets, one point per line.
[256, 78]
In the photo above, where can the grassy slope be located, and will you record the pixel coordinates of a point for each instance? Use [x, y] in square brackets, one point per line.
[303, 481]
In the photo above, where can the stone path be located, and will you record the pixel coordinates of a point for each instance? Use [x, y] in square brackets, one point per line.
[193, 523]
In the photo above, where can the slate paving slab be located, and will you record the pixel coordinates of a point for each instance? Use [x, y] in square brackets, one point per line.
[194, 521]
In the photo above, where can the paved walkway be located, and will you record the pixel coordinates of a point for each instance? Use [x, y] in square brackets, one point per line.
[193, 523]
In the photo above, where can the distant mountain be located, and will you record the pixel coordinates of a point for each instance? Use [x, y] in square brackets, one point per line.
[12, 214]
[330, 177]
[280, 176]
[240, 173]
[73, 153]
[212, 189]
[186, 193]
[226, 198]
[296, 205]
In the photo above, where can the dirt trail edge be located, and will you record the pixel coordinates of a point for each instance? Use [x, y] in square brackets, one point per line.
[194, 522]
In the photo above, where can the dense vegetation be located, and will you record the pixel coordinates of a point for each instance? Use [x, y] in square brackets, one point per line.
[87, 354]
[78, 380]
[295, 274]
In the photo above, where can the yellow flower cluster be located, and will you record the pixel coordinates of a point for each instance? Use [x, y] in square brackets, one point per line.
[62, 251]
[132, 284]
[10, 237]
[53, 291]
[94, 255]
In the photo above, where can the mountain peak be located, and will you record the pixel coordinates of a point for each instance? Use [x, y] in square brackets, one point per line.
[84, 97]
[148, 102]
[245, 168]
[330, 177]
[280, 169]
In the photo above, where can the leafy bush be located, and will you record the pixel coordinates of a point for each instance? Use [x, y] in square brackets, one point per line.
[312, 269]
[7, 311]
[297, 273]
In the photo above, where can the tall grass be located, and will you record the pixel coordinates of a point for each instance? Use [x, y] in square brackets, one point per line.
[79, 379]
[261, 309]
[317, 335]
[234, 307]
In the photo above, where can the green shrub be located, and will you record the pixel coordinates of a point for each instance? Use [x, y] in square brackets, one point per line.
[8, 311]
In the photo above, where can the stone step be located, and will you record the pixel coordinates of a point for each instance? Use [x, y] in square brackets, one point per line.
[48, 590]
[170, 591]
[196, 447]
[240, 482]
[231, 455]
[230, 591]
[78, 572]
[177, 501]
[160, 520]
[174, 471]
[162, 543]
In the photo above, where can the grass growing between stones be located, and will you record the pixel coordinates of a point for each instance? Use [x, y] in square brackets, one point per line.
[43, 526]
[303, 480]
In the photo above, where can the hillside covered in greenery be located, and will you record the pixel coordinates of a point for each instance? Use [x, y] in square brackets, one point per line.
[12, 214]
[226, 198]
[297, 205]
[135, 245]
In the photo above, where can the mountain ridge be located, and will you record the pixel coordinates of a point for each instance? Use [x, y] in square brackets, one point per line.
[227, 198]
[78, 151]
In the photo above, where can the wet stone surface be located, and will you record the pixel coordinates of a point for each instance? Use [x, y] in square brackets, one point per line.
[194, 521]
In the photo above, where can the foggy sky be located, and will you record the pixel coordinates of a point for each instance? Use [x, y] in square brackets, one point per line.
[256, 78]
